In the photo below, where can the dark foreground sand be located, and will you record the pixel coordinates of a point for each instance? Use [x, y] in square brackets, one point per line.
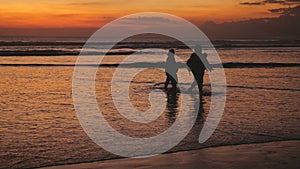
[283, 154]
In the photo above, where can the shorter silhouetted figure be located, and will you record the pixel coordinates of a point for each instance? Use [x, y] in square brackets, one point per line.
[171, 69]
[197, 66]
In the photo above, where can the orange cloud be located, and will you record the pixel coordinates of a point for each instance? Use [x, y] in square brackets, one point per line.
[85, 13]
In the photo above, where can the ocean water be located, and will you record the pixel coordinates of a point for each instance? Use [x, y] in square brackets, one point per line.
[39, 126]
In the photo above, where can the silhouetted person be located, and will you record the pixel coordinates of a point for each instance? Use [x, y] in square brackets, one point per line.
[197, 66]
[171, 69]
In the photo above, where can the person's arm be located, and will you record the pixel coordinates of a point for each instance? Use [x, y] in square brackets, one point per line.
[207, 64]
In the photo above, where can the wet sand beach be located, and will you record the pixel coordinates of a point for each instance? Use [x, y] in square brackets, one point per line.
[39, 126]
[275, 155]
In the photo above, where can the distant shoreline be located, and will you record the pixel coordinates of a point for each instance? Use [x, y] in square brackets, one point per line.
[73, 48]
[225, 43]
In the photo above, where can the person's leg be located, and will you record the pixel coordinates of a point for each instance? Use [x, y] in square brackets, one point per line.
[167, 81]
[200, 86]
[174, 81]
[195, 82]
[200, 82]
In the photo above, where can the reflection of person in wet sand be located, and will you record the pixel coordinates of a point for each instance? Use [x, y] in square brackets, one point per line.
[172, 104]
[198, 67]
[173, 107]
[171, 70]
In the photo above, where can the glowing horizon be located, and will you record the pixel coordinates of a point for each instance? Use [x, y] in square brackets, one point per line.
[87, 14]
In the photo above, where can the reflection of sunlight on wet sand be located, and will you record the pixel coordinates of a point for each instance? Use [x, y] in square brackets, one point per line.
[39, 121]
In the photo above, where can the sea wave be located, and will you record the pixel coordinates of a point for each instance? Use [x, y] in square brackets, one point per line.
[60, 53]
[160, 65]
[48, 48]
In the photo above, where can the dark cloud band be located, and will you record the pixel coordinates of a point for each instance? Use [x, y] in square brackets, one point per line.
[282, 2]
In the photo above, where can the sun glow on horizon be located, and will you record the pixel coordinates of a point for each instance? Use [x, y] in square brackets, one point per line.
[86, 14]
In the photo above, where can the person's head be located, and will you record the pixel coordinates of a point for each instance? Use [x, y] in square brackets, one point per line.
[171, 52]
[198, 49]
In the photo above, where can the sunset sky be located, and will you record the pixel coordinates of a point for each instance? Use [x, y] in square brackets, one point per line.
[20, 14]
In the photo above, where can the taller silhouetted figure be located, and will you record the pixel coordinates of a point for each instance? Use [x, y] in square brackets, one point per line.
[197, 66]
